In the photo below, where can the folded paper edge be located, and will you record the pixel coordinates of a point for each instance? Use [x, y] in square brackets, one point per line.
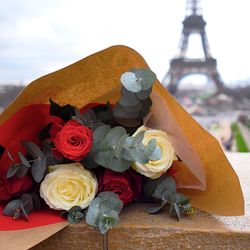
[27, 238]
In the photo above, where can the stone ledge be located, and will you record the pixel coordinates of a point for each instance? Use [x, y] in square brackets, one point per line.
[138, 230]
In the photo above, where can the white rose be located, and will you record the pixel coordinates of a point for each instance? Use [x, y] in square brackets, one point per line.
[154, 169]
[68, 185]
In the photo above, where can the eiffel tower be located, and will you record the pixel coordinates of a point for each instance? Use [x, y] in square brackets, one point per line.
[181, 66]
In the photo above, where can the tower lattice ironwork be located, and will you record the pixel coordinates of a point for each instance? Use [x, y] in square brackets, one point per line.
[181, 65]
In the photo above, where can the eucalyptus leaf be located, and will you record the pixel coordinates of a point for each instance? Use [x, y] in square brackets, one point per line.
[75, 209]
[151, 147]
[147, 78]
[120, 112]
[92, 215]
[126, 155]
[103, 226]
[100, 132]
[22, 170]
[28, 202]
[12, 206]
[24, 213]
[139, 155]
[32, 149]
[129, 100]
[167, 187]
[101, 157]
[10, 157]
[144, 94]
[75, 217]
[156, 209]
[177, 211]
[36, 200]
[23, 159]
[104, 116]
[108, 221]
[117, 165]
[120, 146]
[113, 199]
[156, 155]
[151, 184]
[12, 170]
[112, 137]
[133, 109]
[38, 169]
[131, 82]
[137, 139]
[181, 199]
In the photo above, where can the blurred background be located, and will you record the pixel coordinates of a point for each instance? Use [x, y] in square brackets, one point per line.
[198, 49]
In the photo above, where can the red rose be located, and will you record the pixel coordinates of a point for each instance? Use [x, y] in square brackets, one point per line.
[13, 186]
[121, 184]
[73, 140]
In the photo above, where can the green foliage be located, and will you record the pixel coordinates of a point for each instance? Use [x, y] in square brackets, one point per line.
[12, 170]
[38, 165]
[74, 215]
[240, 142]
[135, 102]
[114, 149]
[18, 169]
[163, 190]
[22, 207]
[103, 211]
[32, 149]
[13, 207]
[137, 80]
[89, 118]
[38, 169]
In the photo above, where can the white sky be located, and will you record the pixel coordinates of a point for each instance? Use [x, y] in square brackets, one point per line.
[38, 37]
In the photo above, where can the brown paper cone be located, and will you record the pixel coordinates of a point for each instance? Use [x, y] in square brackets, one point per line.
[97, 79]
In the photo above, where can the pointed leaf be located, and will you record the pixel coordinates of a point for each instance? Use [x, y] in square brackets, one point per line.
[22, 170]
[32, 149]
[156, 209]
[23, 159]
[12, 170]
[167, 187]
[38, 169]
[151, 147]
[10, 156]
[177, 211]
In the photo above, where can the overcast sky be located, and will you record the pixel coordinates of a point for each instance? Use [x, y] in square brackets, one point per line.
[39, 37]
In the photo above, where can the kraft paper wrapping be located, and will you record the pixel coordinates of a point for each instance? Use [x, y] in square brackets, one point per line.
[204, 174]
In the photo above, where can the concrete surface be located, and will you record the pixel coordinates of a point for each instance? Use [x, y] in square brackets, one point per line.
[138, 230]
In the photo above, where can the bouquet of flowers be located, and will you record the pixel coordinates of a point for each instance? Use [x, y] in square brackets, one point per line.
[97, 147]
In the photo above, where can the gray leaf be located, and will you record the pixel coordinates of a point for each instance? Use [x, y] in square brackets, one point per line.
[130, 82]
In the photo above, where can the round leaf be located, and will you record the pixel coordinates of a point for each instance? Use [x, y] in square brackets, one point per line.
[131, 82]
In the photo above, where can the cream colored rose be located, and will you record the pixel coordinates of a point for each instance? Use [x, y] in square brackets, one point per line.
[68, 185]
[154, 169]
